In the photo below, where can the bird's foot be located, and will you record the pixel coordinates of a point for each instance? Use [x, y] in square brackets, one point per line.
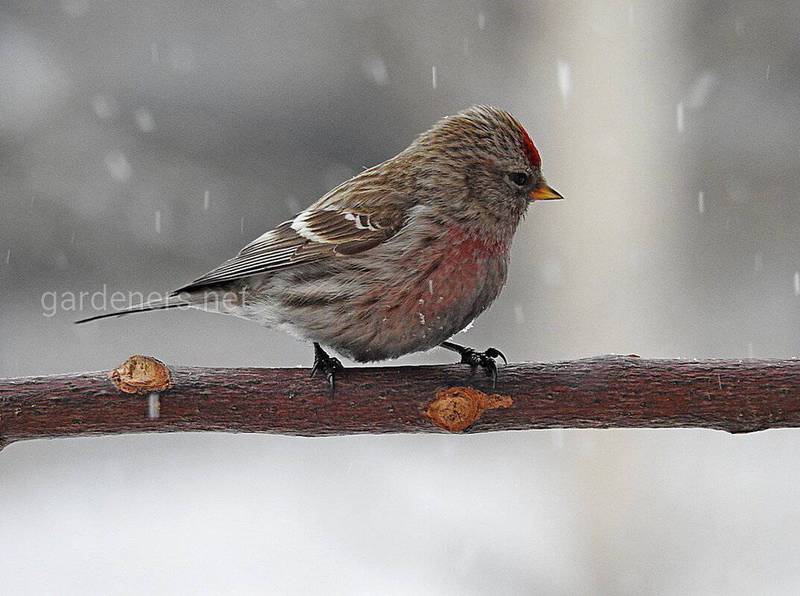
[328, 365]
[475, 359]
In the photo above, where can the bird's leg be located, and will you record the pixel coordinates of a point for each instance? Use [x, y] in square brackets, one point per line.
[475, 358]
[328, 365]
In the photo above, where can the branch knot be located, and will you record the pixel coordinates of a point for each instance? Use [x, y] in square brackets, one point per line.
[141, 374]
[457, 408]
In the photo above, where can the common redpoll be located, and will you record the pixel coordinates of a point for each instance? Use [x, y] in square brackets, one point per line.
[395, 260]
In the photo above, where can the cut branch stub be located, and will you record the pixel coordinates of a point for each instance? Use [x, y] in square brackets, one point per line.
[457, 408]
[141, 374]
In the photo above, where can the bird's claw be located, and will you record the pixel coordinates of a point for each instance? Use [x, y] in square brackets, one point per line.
[328, 365]
[495, 353]
[485, 359]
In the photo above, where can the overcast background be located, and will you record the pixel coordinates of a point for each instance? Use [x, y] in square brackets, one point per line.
[142, 143]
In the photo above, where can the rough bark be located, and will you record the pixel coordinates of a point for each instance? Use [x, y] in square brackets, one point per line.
[602, 392]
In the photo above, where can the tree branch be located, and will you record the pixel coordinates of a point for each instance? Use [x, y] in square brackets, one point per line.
[143, 395]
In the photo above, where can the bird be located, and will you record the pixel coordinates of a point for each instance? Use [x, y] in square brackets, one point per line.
[395, 260]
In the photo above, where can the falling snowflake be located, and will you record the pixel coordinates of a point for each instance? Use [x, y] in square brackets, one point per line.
[375, 69]
[118, 166]
[144, 120]
[564, 81]
[679, 117]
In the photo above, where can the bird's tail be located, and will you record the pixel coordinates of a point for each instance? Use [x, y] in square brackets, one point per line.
[161, 303]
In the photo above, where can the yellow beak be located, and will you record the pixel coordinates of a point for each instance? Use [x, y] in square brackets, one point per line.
[544, 193]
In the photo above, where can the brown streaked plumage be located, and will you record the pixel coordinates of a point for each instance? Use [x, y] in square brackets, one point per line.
[397, 259]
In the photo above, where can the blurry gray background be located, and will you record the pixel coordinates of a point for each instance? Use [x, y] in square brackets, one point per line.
[142, 143]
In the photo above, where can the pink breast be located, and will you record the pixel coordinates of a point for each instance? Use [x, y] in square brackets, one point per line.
[453, 277]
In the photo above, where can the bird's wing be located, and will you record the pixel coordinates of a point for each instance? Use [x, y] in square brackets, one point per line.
[314, 234]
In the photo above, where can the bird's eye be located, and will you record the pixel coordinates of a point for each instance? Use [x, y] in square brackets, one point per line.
[519, 178]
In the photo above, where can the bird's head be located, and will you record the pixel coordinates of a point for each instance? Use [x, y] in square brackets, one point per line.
[481, 166]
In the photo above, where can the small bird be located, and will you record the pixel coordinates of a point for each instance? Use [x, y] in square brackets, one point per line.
[395, 260]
